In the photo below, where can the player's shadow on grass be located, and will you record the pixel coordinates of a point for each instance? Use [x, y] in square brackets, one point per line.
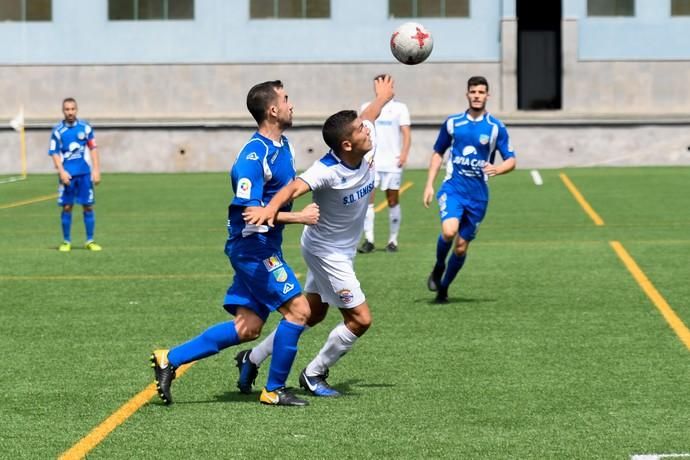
[454, 301]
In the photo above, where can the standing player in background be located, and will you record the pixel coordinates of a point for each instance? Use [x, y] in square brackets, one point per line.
[341, 182]
[392, 149]
[263, 281]
[473, 137]
[76, 178]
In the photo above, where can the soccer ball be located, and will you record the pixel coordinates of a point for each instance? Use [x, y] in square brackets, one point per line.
[411, 43]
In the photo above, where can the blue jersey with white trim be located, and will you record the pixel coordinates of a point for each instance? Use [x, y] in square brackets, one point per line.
[473, 143]
[262, 167]
[70, 142]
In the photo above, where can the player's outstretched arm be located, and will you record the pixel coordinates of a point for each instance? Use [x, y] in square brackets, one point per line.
[383, 87]
[267, 214]
[434, 166]
[307, 216]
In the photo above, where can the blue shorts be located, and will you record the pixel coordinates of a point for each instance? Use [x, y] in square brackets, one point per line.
[263, 280]
[469, 213]
[80, 188]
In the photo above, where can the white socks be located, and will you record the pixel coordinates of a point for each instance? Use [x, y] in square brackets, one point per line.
[339, 342]
[394, 215]
[369, 224]
[264, 349]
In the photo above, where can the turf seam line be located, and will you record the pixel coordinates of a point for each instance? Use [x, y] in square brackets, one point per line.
[98, 434]
[654, 295]
[382, 205]
[598, 221]
[29, 201]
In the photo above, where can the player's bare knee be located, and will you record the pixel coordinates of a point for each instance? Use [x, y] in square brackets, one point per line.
[447, 235]
[461, 248]
[297, 310]
[316, 316]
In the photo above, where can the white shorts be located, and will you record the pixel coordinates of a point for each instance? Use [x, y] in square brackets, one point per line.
[333, 278]
[388, 180]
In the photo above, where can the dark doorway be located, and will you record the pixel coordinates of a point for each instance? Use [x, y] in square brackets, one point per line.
[539, 67]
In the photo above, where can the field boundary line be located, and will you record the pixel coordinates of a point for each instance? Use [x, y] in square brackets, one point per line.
[654, 295]
[29, 201]
[98, 434]
[598, 221]
[382, 205]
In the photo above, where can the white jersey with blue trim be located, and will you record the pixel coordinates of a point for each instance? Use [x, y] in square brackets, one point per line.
[342, 194]
[473, 143]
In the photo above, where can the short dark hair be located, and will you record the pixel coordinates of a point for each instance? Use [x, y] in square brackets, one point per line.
[260, 97]
[476, 81]
[337, 128]
[69, 99]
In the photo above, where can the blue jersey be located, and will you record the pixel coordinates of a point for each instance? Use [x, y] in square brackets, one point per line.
[473, 144]
[70, 142]
[261, 169]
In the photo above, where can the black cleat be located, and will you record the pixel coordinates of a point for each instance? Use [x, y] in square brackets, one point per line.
[164, 374]
[434, 280]
[317, 385]
[281, 397]
[441, 295]
[392, 247]
[248, 372]
[366, 247]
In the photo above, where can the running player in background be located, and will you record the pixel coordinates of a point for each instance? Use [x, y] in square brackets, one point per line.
[341, 182]
[76, 178]
[263, 281]
[393, 139]
[473, 138]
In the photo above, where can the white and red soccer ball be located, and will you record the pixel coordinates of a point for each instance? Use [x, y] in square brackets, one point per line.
[411, 43]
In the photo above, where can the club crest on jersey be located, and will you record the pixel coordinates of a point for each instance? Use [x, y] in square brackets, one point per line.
[252, 156]
[272, 263]
[244, 188]
[483, 139]
[280, 275]
[346, 296]
[81, 136]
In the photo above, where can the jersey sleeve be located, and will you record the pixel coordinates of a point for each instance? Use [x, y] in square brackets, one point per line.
[54, 147]
[404, 115]
[318, 176]
[444, 139]
[503, 144]
[248, 178]
[90, 138]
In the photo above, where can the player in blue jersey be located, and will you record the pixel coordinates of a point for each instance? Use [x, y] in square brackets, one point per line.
[263, 281]
[473, 137]
[76, 178]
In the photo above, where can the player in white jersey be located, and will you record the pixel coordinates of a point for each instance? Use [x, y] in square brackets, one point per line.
[341, 182]
[393, 137]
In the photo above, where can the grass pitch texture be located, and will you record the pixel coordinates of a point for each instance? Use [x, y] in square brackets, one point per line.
[548, 348]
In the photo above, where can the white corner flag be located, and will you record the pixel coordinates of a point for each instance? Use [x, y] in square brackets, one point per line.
[17, 123]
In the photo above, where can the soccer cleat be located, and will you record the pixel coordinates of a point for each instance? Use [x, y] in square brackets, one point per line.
[248, 372]
[92, 246]
[434, 280]
[164, 373]
[65, 247]
[392, 247]
[281, 397]
[366, 247]
[441, 295]
[317, 385]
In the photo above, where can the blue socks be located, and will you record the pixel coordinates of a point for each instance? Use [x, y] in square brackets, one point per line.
[89, 223]
[66, 220]
[284, 351]
[210, 342]
[442, 248]
[455, 263]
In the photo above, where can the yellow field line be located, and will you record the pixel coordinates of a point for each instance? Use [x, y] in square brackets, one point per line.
[382, 205]
[598, 221]
[98, 434]
[657, 299]
[32, 200]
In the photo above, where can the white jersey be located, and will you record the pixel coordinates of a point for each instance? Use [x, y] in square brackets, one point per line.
[388, 137]
[342, 194]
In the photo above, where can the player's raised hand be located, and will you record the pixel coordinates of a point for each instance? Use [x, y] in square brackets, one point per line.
[428, 195]
[310, 214]
[383, 88]
[257, 215]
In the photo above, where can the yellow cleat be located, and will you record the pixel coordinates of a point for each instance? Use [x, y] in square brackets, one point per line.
[65, 247]
[91, 246]
[281, 397]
